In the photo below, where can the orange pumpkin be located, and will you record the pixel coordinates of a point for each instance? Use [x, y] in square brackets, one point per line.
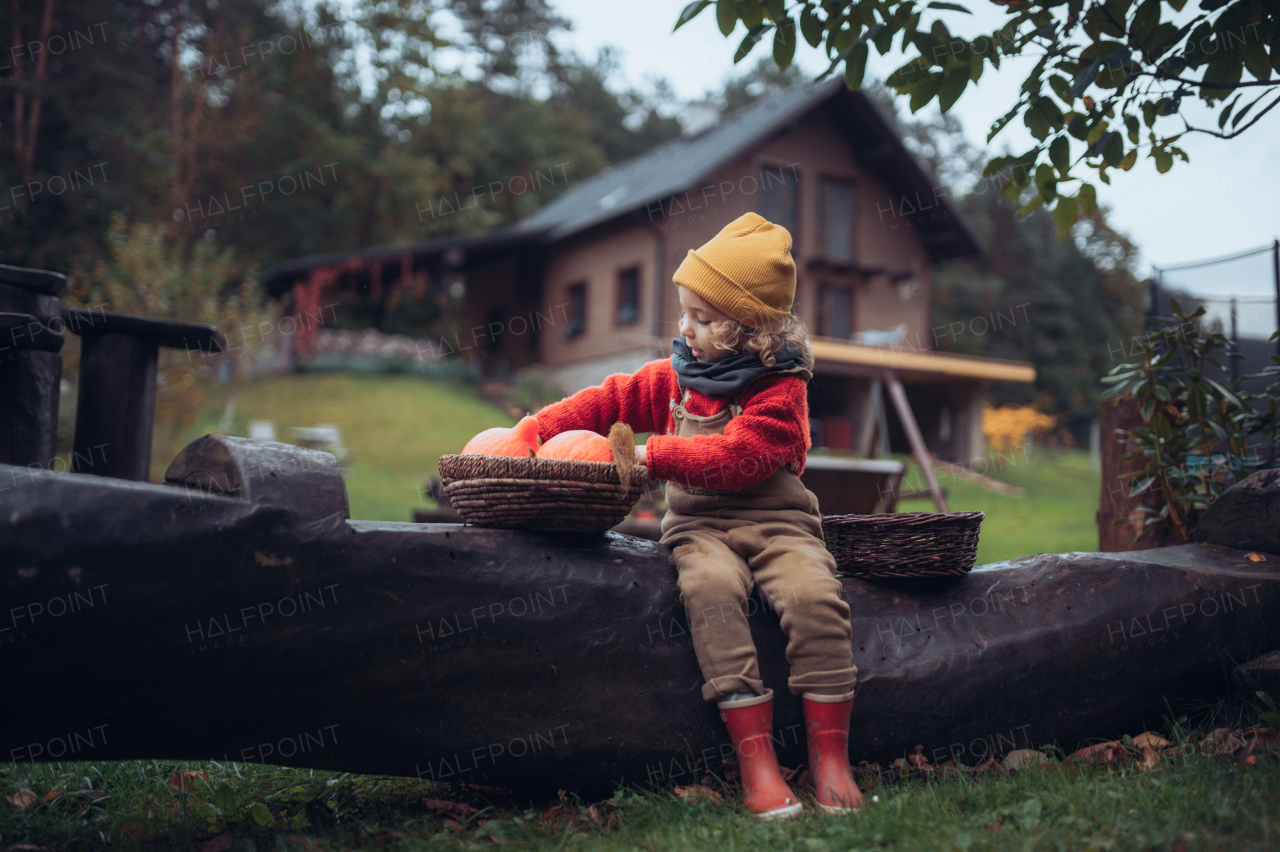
[521, 440]
[578, 444]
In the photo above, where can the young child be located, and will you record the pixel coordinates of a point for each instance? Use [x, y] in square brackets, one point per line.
[730, 420]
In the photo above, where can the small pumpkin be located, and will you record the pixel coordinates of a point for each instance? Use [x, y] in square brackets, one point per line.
[521, 440]
[579, 445]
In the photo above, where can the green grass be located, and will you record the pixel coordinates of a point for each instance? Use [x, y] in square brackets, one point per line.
[395, 428]
[1200, 802]
[1056, 515]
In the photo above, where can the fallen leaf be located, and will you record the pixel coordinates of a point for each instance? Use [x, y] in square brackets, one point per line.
[1150, 759]
[1255, 557]
[51, 795]
[992, 826]
[605, 814]
[23, 799]
[787, 772]
[308, 845]
[1251, 760]
[445, 808]
[918, 761]
[698, 793]
[1024, 757]
[552, 813]
[1150, 740]
[185, 781]
[1103, 753]
[219, 843]
[455, 825]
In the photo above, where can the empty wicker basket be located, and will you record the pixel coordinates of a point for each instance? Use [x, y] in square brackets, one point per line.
[903, 544]
[544, 495]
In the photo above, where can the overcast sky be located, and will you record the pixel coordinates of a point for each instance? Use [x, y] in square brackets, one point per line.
[1223, 201]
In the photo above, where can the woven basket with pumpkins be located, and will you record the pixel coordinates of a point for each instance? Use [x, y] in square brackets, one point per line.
[576, 482]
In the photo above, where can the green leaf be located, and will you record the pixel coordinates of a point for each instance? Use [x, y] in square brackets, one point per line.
[749, 42]
[1036, 123]
[726, 15]
[1064, 215]
[1061, 88]
[855, 66]
[1088, 197]
[299, 821]
[1046, 183]
[1035, 203]
[905, 75]
[811, 26]
[1131, 123]
[1113, 151]
[1129, 159]
[1223, 72]
[1085, 77]
[999, 123]
[976, 65]
[225, 800]
[690, 12]
[1164, 160]
[752, 13]
[784, 42]
[1255, 59]
[261, 814]
[1140, 485]
[1145, 19]
[1060, 154]
[952, 88]
[949, 7]
[924, 91]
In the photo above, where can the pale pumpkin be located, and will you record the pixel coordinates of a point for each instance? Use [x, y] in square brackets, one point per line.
[520, 440]
[578, 445]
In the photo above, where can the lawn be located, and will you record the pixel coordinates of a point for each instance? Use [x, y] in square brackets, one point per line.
[1056, 514]
[396, 427]
[1190, 801]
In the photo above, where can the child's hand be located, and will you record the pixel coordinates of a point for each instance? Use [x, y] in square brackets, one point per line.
[640, 453]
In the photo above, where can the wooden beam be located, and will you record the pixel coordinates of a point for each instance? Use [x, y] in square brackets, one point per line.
[918, 448]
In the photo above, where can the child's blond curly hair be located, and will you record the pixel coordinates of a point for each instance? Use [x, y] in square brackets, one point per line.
[766, 341]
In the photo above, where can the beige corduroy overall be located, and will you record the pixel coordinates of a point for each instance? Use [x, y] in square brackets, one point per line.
[768, 535]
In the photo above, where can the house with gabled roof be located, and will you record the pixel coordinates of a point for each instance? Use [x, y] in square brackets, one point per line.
[582, 288]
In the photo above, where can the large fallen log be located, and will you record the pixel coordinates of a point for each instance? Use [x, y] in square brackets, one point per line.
[259, 624]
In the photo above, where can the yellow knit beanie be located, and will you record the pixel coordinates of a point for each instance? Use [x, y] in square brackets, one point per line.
[746, 271]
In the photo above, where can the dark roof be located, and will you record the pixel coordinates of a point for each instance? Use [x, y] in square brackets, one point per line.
[681, 164]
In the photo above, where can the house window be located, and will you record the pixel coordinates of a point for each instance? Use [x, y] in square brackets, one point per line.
[628, 296]
[836, 199]
[576, 314]
[836, 319]
[778, 197]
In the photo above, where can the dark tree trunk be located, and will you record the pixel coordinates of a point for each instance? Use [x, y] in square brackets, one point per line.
[162, 621]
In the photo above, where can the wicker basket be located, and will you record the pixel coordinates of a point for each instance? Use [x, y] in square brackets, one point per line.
[545, 495]
[903, 544]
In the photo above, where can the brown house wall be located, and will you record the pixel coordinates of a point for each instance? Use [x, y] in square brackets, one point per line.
[596, 258]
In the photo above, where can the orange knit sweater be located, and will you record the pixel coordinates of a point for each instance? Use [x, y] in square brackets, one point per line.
[772, 430]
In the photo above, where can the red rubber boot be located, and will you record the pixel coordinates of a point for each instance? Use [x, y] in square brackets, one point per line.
[750, 724]
[826, 722]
